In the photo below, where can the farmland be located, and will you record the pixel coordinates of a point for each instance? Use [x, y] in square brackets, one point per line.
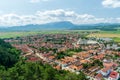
[115, 35]
[16, 34]
[28, 33]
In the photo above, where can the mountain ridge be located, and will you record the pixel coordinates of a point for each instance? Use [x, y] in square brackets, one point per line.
[63, 25]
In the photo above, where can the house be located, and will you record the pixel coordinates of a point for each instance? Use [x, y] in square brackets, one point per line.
[105, 72]
[84, 61]
[76, 68]
[58, 67]
[113, 76]
[99, 76]
[99, 56]
[106, 39]
[106, 60]
[82, 55]
[83, 41]
[94, 68]
[111, 65]
[33, 59]
[113, 46]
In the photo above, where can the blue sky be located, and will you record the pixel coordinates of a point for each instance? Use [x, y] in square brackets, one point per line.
[23, 12]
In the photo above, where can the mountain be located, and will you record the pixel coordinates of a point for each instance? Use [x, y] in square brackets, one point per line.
[99, 26]
[64, 25]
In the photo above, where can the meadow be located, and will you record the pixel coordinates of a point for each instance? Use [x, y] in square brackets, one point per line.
[16, 34]
[28, 33]
[115, 35]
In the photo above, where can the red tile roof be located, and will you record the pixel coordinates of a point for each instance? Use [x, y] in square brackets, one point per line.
[113, 74]
[99, 76]
[33, 59]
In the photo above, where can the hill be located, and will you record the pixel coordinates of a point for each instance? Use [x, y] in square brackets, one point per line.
[64, 25]
[14, 68]
[8, 55]
[48, 26]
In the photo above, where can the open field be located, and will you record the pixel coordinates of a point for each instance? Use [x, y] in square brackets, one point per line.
[115, 35]
[28, 33]
[15, 34]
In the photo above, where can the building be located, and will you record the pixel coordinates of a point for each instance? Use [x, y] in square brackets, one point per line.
[106, 39]
[83, 41]
[105, 72]
[99, 76]
[113, 76]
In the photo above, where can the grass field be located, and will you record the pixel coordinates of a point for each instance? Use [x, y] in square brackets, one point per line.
[27, 33]
[115, 35]
[15, 34]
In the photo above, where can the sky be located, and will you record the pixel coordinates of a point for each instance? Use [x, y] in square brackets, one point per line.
[24, 12]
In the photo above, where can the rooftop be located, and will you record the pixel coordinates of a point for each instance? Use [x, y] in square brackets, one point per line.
[113, 74]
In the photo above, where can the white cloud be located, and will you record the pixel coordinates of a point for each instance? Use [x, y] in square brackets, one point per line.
[36, 1]
[41, 17]
[111, 3]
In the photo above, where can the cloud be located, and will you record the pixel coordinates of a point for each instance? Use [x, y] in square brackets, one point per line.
[42, 17]
[111, 3]
[36, 1]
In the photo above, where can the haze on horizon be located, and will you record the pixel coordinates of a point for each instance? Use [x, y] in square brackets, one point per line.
[24, 12]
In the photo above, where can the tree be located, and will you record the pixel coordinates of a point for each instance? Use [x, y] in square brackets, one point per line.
[37, 71]
[86, 65]
[14, 68]
[98, 62]
[8, 55]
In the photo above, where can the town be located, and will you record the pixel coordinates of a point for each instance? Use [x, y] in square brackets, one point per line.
[97, 58]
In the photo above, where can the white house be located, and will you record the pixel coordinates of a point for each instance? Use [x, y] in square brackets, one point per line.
[83, 41]
[105, 72]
